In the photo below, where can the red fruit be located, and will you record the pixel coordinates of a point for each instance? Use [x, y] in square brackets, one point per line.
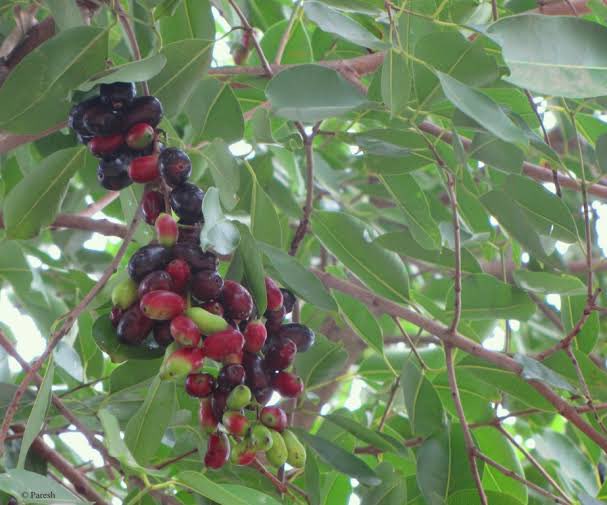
[152, 206]
[144, 169]
[155, 281]
[237, 301]
[140, 136]
[281, 355]
[231, 376]
[162, 333]
[166, 229]
[299, 333]
[245, 458]
[220, 398]
[134, 326]
[162, 305]
[206, 285]
[182, 362]
[219, 345]
[101, 146]
[115, 315]
[199, 385]
[275, 418]
[185, 331]
[274, 319]
[180, 272]
[288, 384]
[255, 335]
[218, 451]
[236, 423]
[208, 421]
[274, 295]
[234, 358]
[214, 308]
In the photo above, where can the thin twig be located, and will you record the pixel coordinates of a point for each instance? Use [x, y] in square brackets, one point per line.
[389, 403]
[100, 204]
[548, 312]
[494, 11]
[168, 462]
[410, 343]
[284, 40]
[277, 483]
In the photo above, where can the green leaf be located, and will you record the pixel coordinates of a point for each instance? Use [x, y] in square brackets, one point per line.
[135, 71]
[214, 112]
[36, 199]
[485, 297]
[311, 93]
[187, 63]
[106, 339]
[297, 50]
[391, 491]
[312, 478]
[35, 95]
[572, 308]
[545, 283]
[253, 267]
[115, 445]
[35, 421]
[601, 152]
[322, 362]
[298, 278]
[347, 238]
[340, 459]
[225, 171]
[23, 483]
[573, 65]
[395, 81]
[144, 432]
[64, 15]
[362, 321]
[332, 21]
[412, 201]
[470, 496]
[496, 153]
[374, 438]
[192, 19]
[481, 108]
[433, 465]
[372, 7]
[424, 407]
[133, 372]
[218, 233]
[265, 224]
[534, 370]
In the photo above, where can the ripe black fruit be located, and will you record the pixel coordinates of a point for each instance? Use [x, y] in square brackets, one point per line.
[194, 256]
[162, 333]
[298, 333]
[152, 206]
[186, 201]
[175, 166]
[144, 109]
[113, 174]
[134, 327]
[231, 376]
[189, 233]
[100, 119]
[206, 285]
[288, 300]
[76, 117]
[148, 259]
[256, 378]
[117, 94]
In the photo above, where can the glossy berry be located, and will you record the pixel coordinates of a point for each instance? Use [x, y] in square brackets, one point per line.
[117, 94]
[274, 417]
[166, 230]
[144, 169]
[261, 438]
[300, 334]
[134, 326]
[263, 396]
[274, 320]
[105, 146]
[100, 119]
[236, 423]
[255, 335]
[180, 272]
[185, 331]
[295, 450]
[274, 295]
[114, 174]
[155, 281]
[147, 259]
[288, 300]
[144, 109]
[218, 450]
[239, 397]
[214, 308]
[162, 333]
[281, 355]
[257, 377]
[195, 257]
[206, 285]
[288, 384]
[208, 421]
[207, 322]
[236, 300]
[162, 305]
[140, 136]
[277, 454]
[186, 201]
[152, 206]
[124, 294]
[219, 401]
[199, 385]
[76, 117]
[219, 345]
[116, 315]
[175, 166]
[182, 362]
[231, 376]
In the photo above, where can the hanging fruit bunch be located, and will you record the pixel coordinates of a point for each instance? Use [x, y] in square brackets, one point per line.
[175, 295]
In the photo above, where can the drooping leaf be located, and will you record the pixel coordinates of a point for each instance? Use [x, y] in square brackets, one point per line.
[363, 433]
[135, 71]
[253, 267]
[362, 321]
[424, 407]
[225, 171]
[265, 224]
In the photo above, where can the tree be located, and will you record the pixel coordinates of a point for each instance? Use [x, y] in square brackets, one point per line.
[424, 176]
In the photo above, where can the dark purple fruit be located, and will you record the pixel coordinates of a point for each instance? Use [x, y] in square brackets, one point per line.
[288, 300]
[274, 320]
[162, 333]
[100, 119]
[116, 315]
[231, 376]
[195, 257]
[154, 281]
[206, 285]
[218, 450]
[152, 206]
[300, 334]
[281, 355]
[76, 117]
[236, 300]
[219, 401]
[186, 201]
[134, 326]
[189, 233]
[114, 174]
[263, 395]
[175, 166]
[144, 109]
[257, 377]
[148, 259]
[117, 94]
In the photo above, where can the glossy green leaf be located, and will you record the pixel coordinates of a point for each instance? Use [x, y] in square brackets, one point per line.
[348, 239]
[395, 81]
[218, 233]
[545, 283]
[322, 362]
[225, 171]
[36, 199]
[191, 19]
[391, 491]
[496, 153]
[433, 465]
[601, 152]
[311, 93]
[535, 370]
[360, 6]
[105, 337]
[424, 408]
[298, 48]
[361, 432]
[114, 443]
[253, 268]
[470, 497]
[361, 320]
[572, 309]
[312, 478]
[35, 95]
[265, 224]
[135, 71]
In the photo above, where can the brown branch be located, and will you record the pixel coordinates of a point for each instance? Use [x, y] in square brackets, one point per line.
[547, 311]
[100, 204]
[276, 482]
[410, 343]
[564, 8]
[457, 401]
[369, 449]
[69, 321]
[168, 462]
[389, 403]
[78, 222]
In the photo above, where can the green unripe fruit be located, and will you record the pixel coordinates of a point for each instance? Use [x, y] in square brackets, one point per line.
[295, 450]
[207, 322]
[242, 453]
[124, 294]
[239, 397]
[277, 454]
[261, 438]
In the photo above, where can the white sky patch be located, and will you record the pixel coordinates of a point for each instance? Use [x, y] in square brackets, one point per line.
[514, 324]
[354, 400]
[240, 148]
[561, 247]
[496, 341]
[601, 225]
[78, 443]
[554, 300]
[525, 257]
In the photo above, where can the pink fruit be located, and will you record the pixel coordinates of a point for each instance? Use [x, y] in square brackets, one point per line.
[182, 362]
[166, 229]
[140, 136]
[236, 423]
[208, 421]
[274, 295]
[162, 305]
[144, 169]
[180, 272]
[288, 384]
[101, 146]
[219, 345]
[199, 385]
[275, 418]
[185, 331]
[255, 335]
